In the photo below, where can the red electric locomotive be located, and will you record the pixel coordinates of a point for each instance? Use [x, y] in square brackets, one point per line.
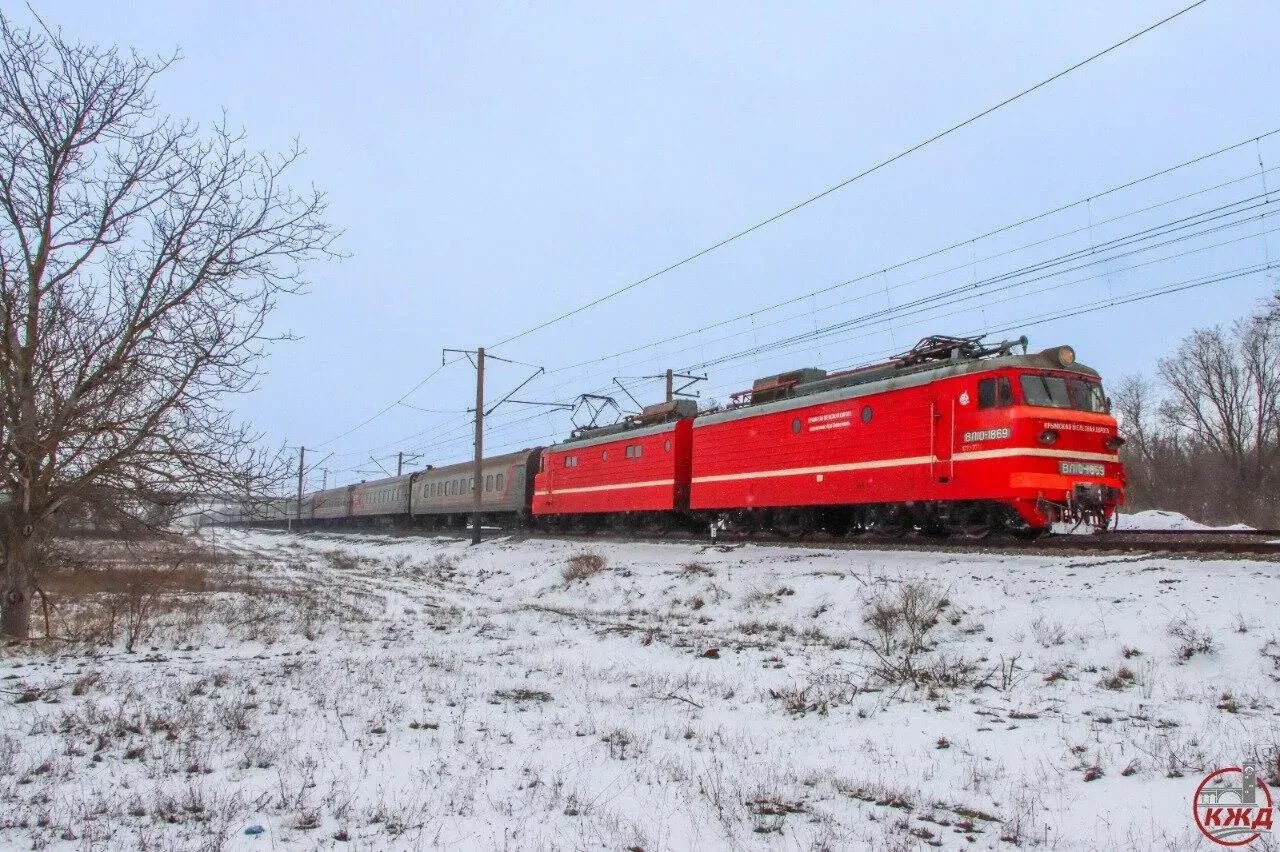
[632, 470]
[951, 437]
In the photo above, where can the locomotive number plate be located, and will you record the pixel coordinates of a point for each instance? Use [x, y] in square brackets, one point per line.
[1075, 468]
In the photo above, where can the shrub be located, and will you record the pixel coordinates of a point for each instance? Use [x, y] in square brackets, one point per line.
[583, 566]
[1192, 640]
[900, 624]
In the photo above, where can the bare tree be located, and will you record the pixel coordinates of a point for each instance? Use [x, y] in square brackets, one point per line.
[1225, 399]
[139, 261]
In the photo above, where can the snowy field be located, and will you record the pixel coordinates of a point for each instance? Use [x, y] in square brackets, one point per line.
[1161, 519]
[402, 693]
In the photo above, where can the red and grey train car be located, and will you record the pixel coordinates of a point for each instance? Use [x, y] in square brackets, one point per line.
[438, 497]
[444, 496]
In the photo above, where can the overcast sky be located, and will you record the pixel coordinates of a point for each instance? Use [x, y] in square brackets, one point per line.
[493, 165]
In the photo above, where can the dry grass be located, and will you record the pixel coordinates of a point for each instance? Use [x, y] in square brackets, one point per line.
[1191, 638]
[583, 566]
[693, 569]
[134, 593]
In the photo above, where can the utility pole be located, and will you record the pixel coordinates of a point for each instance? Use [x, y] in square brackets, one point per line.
[669, 377]
[478, 469]
[477, 485]
[302, 455]
[402, 457]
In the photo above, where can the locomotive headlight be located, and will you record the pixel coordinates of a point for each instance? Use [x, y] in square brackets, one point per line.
[1048, 437]
[1066, 356]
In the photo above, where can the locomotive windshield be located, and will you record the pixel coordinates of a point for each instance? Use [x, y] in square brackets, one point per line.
[1058, 392]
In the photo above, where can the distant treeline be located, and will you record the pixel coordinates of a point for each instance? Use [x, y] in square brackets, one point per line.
[1203, 435]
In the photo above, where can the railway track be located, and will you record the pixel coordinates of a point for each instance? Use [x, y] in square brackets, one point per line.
[1261, 543]
[1253, 543]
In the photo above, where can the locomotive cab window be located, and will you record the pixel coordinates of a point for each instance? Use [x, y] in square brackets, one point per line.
[1087, 395]
[995, 392]
[1046, 391]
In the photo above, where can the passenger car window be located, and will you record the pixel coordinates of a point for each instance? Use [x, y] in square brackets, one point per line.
[488, 482]
[499, 482]
[1049, 391]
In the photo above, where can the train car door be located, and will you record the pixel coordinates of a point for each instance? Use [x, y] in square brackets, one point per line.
[943, 438]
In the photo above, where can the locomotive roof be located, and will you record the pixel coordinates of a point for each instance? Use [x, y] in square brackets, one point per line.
[906, 378]
[613, 438]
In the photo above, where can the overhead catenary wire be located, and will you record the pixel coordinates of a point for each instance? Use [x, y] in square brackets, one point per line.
[952, 246]
[850, 180]
[385, 409]
[1198, 218]
[1195, 160]
[1081, 310]
[907, 310]
[1125, 299]
[829, 288]
[1046, 270]
[435, 430]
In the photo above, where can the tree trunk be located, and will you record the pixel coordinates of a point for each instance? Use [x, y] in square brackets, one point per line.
[15, 584]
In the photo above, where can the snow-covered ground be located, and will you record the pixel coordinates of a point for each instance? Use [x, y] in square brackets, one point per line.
[1162, 519]
[507, 696]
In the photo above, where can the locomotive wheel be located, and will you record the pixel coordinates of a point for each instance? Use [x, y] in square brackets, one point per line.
[973, 522]
[889, 522]
[837, 522]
